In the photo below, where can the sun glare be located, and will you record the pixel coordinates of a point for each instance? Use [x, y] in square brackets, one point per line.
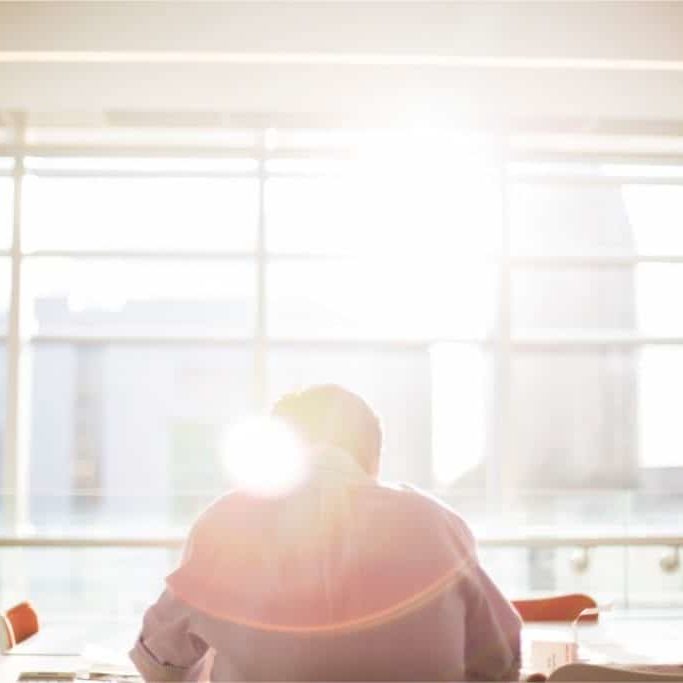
[264, 457]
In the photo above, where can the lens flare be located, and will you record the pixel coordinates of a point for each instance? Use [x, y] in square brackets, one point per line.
[264, 457]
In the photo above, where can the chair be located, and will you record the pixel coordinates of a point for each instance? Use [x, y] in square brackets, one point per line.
[592, 673]
[21, 622]
[556, 608]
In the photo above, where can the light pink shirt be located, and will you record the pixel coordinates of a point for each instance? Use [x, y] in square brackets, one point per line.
[348, 580]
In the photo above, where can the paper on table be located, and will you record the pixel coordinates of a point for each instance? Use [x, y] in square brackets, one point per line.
[548, 655]
[101, 662]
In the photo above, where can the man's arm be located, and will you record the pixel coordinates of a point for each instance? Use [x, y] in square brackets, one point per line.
[492, 631]
[166, 649]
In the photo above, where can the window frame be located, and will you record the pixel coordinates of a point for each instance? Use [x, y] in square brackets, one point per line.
[502, 341]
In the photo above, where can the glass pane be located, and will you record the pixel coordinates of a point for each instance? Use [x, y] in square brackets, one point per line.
[193, 214]
[126, 438]
[656, 214]
[112, 586]
[396, 383]
[529, 572]
[109, 297]
[560, 510]
[462, 386]
[659, 285]
[573, 419]
[575, 300]
[608, 299]
[657, 507]
[551, 219]
[314, 216]
[660, 394]
[650, 582]
[413, 206]
[407, 299]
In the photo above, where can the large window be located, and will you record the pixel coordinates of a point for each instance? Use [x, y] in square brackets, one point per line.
[515, 323]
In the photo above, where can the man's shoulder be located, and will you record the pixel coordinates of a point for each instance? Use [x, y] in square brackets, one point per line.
[410, 494]
[224, 511]
[427, 504]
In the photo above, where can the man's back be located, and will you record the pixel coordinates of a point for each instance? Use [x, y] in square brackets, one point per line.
[344, 580]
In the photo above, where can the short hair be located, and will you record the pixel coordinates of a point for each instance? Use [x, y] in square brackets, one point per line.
[331, 414]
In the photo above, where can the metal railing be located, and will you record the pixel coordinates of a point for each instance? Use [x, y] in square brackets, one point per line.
[175, 541]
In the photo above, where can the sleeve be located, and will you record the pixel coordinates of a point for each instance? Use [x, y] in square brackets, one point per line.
[167, 649]
[492, 631]
[492, 625]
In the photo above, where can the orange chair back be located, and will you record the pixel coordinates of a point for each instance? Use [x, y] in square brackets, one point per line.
[23, 621]
[557, 608]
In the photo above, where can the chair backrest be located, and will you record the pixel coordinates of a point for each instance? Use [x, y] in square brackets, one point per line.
[556, 608]
[23, 621]
[593, 673]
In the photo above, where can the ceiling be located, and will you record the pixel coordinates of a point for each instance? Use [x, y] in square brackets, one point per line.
[395, 61]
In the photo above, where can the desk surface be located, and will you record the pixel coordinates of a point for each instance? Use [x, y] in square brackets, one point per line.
[628, 637]
[72, 645]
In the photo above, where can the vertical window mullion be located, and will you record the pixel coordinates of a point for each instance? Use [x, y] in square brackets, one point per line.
[15, 452]
[499, 467]
[261, 332]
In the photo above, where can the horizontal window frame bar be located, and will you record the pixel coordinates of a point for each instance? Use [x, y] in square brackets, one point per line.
[221, 340]
[516, 178]
[595, 261]
[138, 255]
[518, 152]
[560, 343]
[522, 178]
[333, 153]
[588, 180]
[139, 339]
[137, 175]
[182, 151]
[520, 343]
[526, 153]
[173, 255]
[588, 261]
[189, 175]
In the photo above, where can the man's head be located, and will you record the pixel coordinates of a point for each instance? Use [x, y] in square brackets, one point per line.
[330, 414]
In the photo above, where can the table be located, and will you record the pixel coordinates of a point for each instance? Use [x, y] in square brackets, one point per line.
[72, 645]
[626, 637]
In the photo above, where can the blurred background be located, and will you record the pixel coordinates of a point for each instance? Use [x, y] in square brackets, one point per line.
[469, 212]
